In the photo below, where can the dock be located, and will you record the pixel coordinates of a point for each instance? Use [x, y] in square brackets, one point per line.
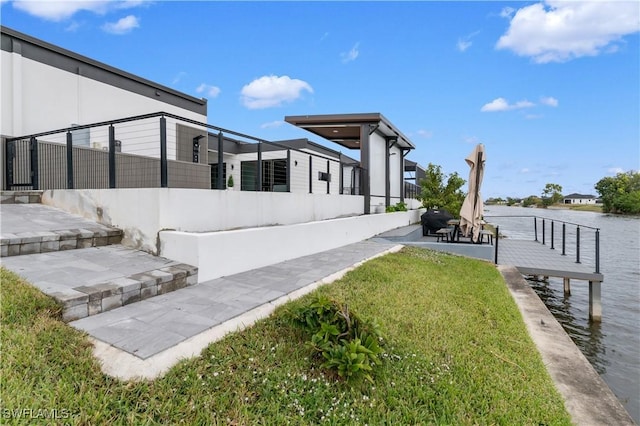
[535, 259]
[531, 257]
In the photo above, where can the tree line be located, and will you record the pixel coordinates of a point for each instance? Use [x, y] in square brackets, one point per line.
[621, 193]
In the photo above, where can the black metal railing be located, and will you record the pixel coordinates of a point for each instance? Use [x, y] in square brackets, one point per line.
[133, 152]
[571, 239]
[411, 190]
[70, 158]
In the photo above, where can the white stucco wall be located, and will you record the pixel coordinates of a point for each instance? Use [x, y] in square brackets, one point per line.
[218, 254]
[142, 213]
[37, 97]
[581, 201]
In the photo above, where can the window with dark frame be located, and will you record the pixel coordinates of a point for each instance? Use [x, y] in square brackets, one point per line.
[214, 176]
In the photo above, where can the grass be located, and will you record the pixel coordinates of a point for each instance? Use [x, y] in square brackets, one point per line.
[587, 208]
[456, 352]
[597, 208]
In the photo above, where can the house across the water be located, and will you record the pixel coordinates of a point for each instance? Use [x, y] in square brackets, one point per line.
[581, 199]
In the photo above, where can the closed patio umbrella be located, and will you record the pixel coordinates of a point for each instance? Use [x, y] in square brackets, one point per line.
[472, 207]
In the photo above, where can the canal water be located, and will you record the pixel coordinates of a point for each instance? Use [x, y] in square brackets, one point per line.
[613, 345]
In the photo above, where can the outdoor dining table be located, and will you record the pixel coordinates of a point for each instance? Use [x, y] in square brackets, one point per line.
[455, 233]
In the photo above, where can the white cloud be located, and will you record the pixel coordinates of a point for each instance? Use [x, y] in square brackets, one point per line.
[507, 12]
[525, 170]
[208, 90]
[178, 77]
[54, 10]
[532, 116]
[270, 91]
[472, 140]
[465, 42]
[615, 170]
[427, 134]
[72, 27]
[59, 10]
[549, 101]
[352, 54]
[559, 31]
[463, 45]
[498, 104]
[122, 26]
[272, 124]
[501, 104]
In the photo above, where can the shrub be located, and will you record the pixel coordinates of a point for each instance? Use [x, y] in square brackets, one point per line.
[398, 207]
[348, 344]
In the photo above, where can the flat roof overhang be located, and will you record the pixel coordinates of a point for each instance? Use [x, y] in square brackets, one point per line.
[344, 129]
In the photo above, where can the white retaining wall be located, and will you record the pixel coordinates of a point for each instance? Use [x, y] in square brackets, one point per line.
[219, 254]
[142, 213]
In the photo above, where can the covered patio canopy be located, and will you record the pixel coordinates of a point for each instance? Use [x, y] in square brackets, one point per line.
[382, 150]
[418, 171]
[344, 129]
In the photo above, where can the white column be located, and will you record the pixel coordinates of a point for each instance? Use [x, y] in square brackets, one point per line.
[595, 304]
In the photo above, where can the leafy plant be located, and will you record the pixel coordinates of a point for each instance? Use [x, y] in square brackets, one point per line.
[398, 207]
[230, 182]
[348, 344]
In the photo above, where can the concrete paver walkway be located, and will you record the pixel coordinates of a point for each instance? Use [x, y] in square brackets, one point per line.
[143, 312]
[146, 338]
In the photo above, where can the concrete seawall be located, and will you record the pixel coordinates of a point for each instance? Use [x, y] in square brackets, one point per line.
[587, 397]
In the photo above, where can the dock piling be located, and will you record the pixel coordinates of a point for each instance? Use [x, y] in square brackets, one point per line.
[595, 304]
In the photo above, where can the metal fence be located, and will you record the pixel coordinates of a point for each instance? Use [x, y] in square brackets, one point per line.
[411, 190]
[165, 150]
[582, 242]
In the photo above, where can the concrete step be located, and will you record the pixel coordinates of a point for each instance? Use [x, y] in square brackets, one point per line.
[35, 228]
[98, 279]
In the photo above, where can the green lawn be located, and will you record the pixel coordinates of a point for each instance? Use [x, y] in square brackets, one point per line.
[587, 208]
[456, 352]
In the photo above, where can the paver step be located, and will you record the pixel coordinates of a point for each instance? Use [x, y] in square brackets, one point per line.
[20, 197]
[36, 228]
[23, 243]
[98, 279]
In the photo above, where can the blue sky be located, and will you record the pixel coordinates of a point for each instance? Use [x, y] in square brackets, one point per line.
[552, 89]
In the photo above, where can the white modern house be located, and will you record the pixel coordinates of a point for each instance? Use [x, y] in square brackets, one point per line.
[580, 199]
[140, 156]
[46, 87]
[92, 105]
